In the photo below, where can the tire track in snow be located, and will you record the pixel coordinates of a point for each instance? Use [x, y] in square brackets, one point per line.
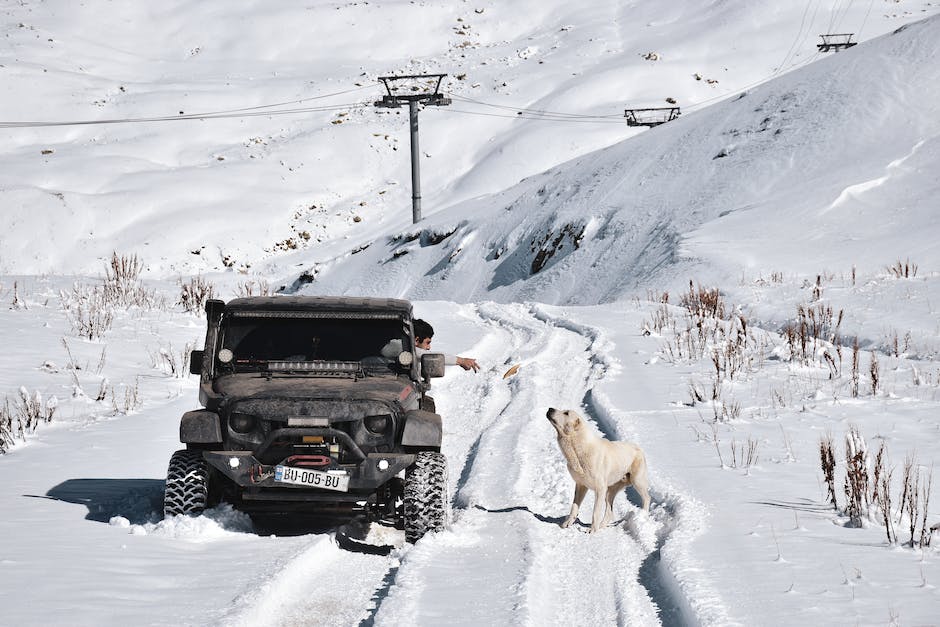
[676, 519]
[505, 559]
[303, 590]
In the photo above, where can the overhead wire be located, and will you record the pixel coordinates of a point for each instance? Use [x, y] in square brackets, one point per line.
[546, 118]
[255, 111]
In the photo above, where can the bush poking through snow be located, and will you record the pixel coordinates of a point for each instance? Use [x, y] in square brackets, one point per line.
[123, 288]
[194, 294]
[22, 418]
[857, 485]
[249, 288]
[827, 458]
[873, 371]
[868, 490]
[89, 310]
[905, 270]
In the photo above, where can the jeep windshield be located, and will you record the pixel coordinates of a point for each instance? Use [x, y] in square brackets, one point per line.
[312, 344]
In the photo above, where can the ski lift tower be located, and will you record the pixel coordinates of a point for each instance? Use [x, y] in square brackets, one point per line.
[415, 89]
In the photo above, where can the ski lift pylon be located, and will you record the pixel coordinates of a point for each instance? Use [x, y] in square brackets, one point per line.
[423, 88]
[836, 41]
[653, 116]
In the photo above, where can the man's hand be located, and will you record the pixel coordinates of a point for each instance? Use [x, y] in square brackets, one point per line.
[468, 363]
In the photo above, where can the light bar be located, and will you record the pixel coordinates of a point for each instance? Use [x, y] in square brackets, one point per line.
[351, 367]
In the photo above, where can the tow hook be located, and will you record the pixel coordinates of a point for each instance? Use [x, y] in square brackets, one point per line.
[257, 473]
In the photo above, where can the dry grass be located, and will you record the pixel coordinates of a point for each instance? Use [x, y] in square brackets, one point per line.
[194, 294]
[903, 270]
[21, 417]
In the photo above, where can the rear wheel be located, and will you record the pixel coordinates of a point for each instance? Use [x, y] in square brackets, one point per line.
[187, 484]
[426, 502]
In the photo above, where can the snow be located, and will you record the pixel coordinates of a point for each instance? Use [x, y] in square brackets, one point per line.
[799, 185]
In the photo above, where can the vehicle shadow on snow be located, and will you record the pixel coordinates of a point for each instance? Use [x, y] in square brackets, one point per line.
[138, 500]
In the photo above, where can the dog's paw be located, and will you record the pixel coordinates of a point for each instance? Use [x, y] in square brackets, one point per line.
[567, 523]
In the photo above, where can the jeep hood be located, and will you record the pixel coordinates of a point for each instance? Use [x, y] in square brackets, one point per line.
[244, 386]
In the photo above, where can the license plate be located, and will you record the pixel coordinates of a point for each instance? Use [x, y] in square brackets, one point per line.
[313, 478]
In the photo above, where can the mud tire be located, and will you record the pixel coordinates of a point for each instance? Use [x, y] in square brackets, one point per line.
[187, 484]
[425, 504]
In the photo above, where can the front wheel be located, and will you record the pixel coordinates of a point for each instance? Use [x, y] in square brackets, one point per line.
[187, 484]
[425, 500]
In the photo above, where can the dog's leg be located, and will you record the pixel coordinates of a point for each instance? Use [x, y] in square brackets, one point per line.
[579, 492]
[641, 482]
[600, 505]
[612, 493]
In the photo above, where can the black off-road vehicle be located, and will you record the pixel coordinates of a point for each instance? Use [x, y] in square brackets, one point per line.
[314, 406]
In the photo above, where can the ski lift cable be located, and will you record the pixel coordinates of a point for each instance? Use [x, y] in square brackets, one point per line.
[177, 118]
[871, 3]
[533, 111]
[796, 40]
[541, 118]
[292, 102]
[839, 19]
[833, 16]
[224, 113]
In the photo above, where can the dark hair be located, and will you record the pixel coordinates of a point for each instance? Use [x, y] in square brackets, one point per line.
[422, 329]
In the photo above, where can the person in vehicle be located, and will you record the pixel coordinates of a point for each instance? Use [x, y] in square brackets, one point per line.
[423, 334]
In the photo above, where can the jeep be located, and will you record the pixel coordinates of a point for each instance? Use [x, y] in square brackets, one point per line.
[314, 406]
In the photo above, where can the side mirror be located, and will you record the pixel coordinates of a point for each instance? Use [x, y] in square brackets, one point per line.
[432, 365]
[195, 362]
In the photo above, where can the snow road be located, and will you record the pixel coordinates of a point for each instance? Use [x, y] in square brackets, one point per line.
[503, 560]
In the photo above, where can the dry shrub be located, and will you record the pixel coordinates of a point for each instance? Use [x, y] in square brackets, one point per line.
[903, 270]
[855, 364]
[857, 485]
[251, 288]
[703, 302]
[21, 418]
[122, 284]
[91, 309]
[827, 458]
[88, 309]
[194, 294]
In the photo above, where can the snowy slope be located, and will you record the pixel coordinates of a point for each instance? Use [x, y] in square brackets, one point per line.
[73, 194]
[549, 243]
[718, 191]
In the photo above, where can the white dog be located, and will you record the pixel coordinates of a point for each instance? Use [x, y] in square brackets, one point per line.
[597, 464]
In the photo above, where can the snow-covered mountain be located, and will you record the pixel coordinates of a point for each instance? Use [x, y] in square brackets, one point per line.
[240, 143]
[247, 191]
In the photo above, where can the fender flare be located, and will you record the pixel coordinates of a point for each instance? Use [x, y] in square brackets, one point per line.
[200, 426]
[422, 428]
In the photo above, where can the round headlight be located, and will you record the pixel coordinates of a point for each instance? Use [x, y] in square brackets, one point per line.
[378, 424]
[241, 423]
[405, 358]
[226, 356]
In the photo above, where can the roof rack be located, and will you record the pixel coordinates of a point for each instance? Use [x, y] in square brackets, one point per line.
[836, 41]
[651, 117]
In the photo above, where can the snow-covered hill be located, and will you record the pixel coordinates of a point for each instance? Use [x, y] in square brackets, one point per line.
[829, 167]
[798, 189]
[239, 192]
